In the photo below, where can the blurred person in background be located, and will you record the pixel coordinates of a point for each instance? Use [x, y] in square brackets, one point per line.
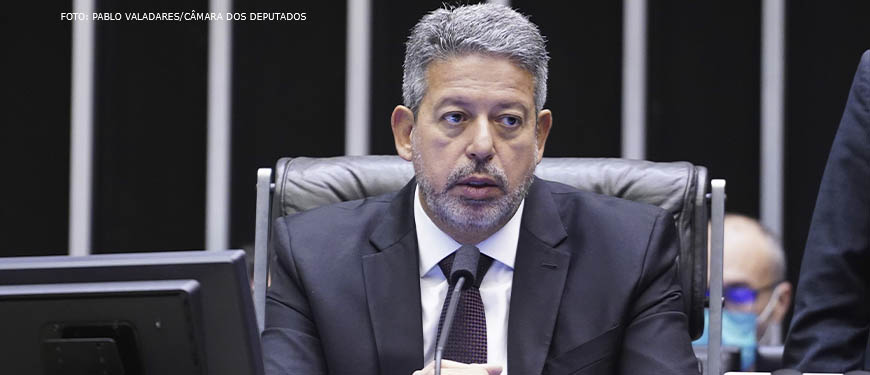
[757, 296]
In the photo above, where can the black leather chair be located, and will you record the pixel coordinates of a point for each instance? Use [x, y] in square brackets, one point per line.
[678, 187]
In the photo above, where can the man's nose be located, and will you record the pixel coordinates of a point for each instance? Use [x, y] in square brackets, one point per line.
[481, 146]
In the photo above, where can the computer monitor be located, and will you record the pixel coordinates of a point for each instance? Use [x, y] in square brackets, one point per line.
[161, 313]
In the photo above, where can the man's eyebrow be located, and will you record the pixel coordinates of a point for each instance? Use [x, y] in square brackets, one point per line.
[513, 104]
[452, 100]
[462, 102]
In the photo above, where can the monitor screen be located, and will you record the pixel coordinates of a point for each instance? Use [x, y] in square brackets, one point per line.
[144, 313]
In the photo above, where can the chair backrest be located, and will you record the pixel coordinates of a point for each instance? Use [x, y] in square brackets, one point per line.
[678, 187]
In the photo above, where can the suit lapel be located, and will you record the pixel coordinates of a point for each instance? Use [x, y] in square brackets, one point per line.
[392, 282]
[539, 278]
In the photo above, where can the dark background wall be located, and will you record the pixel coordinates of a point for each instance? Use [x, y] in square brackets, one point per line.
[149, 129]
[34, 128]
[288, 96]
[824, 46]
[704, 91]
[288, 100]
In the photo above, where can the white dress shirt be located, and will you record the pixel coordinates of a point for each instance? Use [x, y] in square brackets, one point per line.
[495, 288]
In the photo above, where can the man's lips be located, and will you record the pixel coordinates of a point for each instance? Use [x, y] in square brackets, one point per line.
[478, 188]
[477, 182]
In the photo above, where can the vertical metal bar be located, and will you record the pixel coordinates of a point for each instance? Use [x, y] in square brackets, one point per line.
[717, 224]
[506, 3]
[81, 131]
[261, 242]
[356, 123]
[634, 26]
[219, 103]
[772, 113]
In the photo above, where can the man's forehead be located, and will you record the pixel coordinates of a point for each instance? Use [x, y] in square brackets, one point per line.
[457, 78]
[749, 261]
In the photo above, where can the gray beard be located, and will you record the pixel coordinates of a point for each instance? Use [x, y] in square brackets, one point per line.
[470, 216]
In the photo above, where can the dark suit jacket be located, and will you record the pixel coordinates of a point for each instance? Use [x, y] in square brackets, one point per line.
[832, 305]
[595, 289]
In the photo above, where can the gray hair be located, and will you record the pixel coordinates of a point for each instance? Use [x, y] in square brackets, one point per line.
[482, 28]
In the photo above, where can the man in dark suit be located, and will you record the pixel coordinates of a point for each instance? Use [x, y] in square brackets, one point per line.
[832, 306]
[575, 283]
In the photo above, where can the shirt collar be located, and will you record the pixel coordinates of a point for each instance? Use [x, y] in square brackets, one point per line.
[434, 245]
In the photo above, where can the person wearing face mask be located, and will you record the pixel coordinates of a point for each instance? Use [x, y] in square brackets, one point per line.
[756, 294]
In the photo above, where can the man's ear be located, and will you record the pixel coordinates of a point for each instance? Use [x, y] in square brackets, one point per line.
[783, 303]
[402, 122]
[542, 130]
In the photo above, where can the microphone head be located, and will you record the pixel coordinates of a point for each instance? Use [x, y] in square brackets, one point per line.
[465, 265]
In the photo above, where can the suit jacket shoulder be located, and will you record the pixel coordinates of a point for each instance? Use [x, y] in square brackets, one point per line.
[611, 284]
[615, 230]
[337, 227]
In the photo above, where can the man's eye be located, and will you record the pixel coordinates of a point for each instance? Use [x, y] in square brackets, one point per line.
[454, 118]
[510, 121]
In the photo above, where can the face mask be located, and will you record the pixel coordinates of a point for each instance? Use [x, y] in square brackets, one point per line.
[739, 329]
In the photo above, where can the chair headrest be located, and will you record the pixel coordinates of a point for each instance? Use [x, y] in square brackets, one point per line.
[305, 183]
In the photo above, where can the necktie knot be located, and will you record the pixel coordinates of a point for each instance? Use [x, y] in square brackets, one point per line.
[482, 266]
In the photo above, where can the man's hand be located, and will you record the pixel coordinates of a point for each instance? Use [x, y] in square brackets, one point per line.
[458, 368]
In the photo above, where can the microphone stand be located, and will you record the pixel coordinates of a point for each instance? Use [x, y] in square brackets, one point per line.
[464, 270]
[448, 322]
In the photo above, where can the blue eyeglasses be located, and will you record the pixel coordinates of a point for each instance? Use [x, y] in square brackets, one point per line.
[740, 296]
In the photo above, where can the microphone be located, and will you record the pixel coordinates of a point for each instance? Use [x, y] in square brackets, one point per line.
[462, 275]
[465, 265]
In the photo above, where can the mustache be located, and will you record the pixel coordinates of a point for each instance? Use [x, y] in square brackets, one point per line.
[479, 168]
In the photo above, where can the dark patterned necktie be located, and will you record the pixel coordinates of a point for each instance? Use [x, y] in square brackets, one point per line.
[467, 340]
